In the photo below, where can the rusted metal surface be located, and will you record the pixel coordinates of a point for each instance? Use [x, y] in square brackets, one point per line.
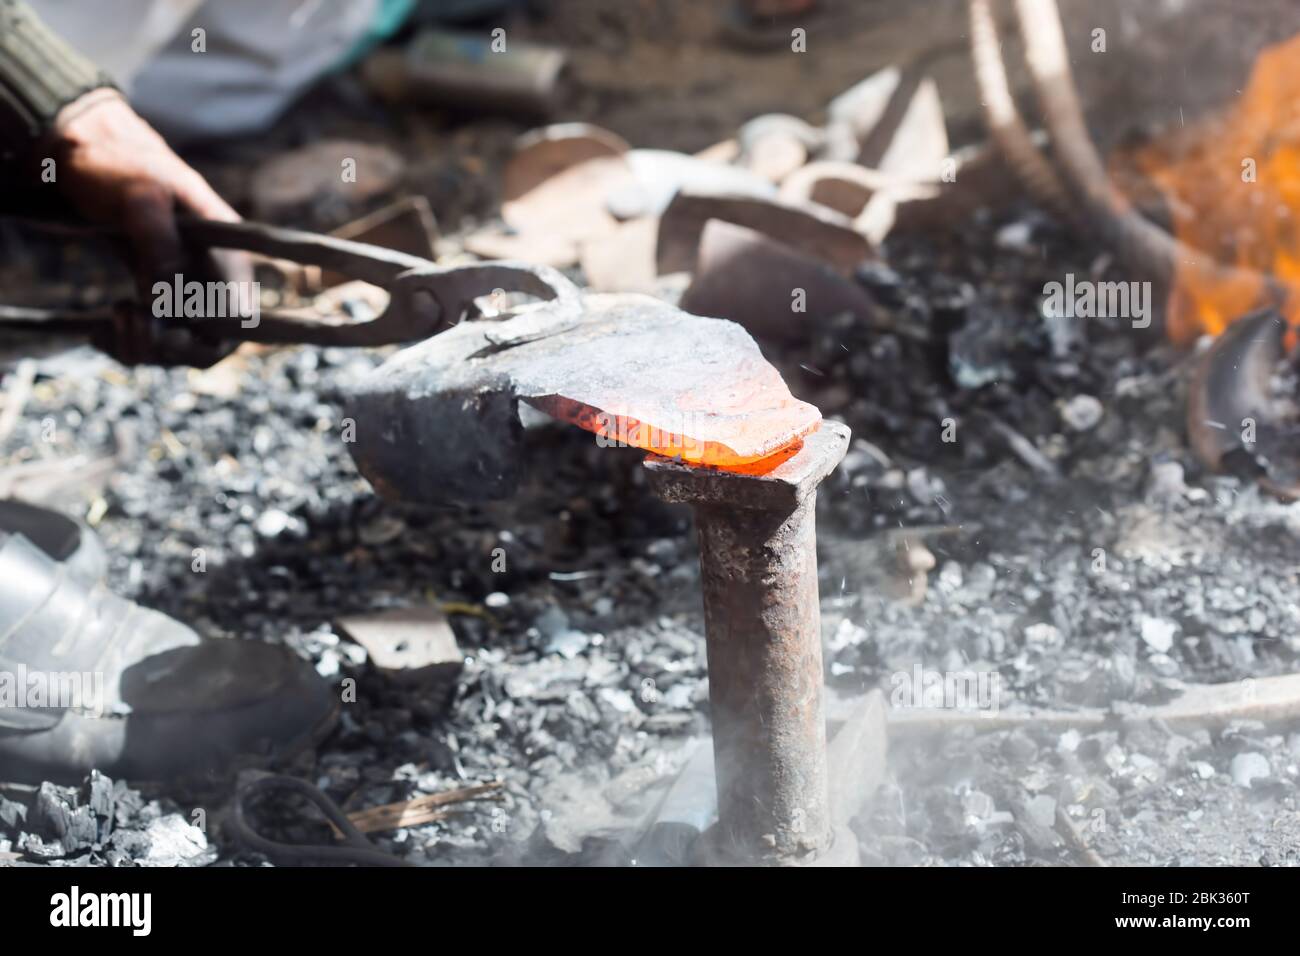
[816, 230]
[758, 562]
[440, 418]
[751, 279]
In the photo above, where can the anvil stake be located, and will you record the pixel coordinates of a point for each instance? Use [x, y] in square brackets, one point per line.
[758, 565]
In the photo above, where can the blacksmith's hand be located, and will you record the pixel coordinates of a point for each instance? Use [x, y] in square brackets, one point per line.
[116, 170]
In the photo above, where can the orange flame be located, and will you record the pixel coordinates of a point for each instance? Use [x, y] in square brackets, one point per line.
[1234, 192]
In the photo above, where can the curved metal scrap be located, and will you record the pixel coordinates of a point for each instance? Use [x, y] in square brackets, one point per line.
[746, 276]
[814, 229]
[1229, 389]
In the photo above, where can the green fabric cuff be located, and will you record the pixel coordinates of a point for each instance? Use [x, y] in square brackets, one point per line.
[39, 75]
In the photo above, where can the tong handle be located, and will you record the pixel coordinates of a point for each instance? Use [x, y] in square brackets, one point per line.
[358, 260]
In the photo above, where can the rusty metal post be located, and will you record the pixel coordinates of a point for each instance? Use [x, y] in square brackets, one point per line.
[758, 565]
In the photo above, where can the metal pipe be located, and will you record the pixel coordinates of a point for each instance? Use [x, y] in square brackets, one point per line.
[758, 566]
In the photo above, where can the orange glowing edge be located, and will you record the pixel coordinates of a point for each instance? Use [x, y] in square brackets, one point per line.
[775, 438]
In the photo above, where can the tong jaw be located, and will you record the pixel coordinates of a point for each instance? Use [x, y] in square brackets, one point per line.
[425, 297]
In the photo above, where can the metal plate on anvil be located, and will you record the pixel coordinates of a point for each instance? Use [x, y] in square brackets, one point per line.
[440, 420]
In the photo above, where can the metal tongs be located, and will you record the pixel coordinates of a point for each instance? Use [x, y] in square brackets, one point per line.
[424, 296]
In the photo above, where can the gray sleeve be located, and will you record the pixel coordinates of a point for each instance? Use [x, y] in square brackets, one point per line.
[39, 75]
